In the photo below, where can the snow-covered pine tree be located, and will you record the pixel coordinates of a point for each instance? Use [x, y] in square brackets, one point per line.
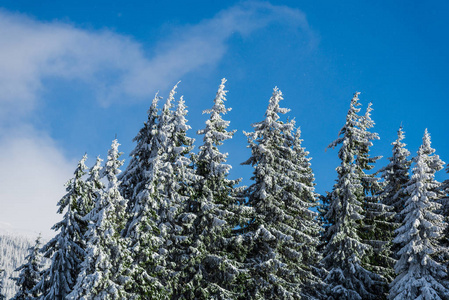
[363, 160]
[66, 249]
[419, 276]
[213, 273]
[281, 195]
[378, 217]
[140, 188]
[104, 269]
[176, 188]
[345, 248]
[30, 273]
[139, 172]
[395, 176]
[300, 192]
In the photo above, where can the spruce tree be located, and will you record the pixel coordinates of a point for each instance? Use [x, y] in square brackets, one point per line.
[140, 188]
[104, 270]
[30, 273]
[299, 186]
[395, 175]
[419, 275]
[378, 217]
[158, 182]
[213, 272]
[166, 194]
[66, 249]
[176, 188]
[284, 236]
[139, 171]
[345, 250]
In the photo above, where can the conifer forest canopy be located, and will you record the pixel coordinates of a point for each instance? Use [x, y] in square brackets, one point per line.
[172, 224]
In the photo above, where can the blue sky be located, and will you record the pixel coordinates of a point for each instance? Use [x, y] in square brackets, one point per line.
[76, 73]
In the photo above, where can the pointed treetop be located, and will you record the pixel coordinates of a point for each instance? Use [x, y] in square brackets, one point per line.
[75, 186]
[273, 106]
[270, 129]
[112, 167]
[353, 110]
[399, 146]
[219, 107]
[353, 121]
[81, 167]
[401, 134]
[180, 116]
[434, 162]
[152, 111]
[168, 104]
[426, 148]
[367, 122]
[215, 131]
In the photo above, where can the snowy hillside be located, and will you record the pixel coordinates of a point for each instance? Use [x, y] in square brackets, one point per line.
[13, 251]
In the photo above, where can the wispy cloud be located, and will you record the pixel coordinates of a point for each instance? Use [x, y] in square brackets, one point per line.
[115, 66]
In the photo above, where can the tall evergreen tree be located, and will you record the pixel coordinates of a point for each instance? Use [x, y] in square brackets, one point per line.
[281, 195]
[140, 170]
[30, 273]
[212, 272]
[378, 216]
[300, 187]
[166, 193]
[140, 188]
[104, 270]
[176, 188]
[419, 275]
[158, 181]
[395, 176]
[345, 250]
[66, 249]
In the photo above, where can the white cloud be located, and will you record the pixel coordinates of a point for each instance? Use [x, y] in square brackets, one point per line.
[32, 180]
[116, 67]
[31, 51]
